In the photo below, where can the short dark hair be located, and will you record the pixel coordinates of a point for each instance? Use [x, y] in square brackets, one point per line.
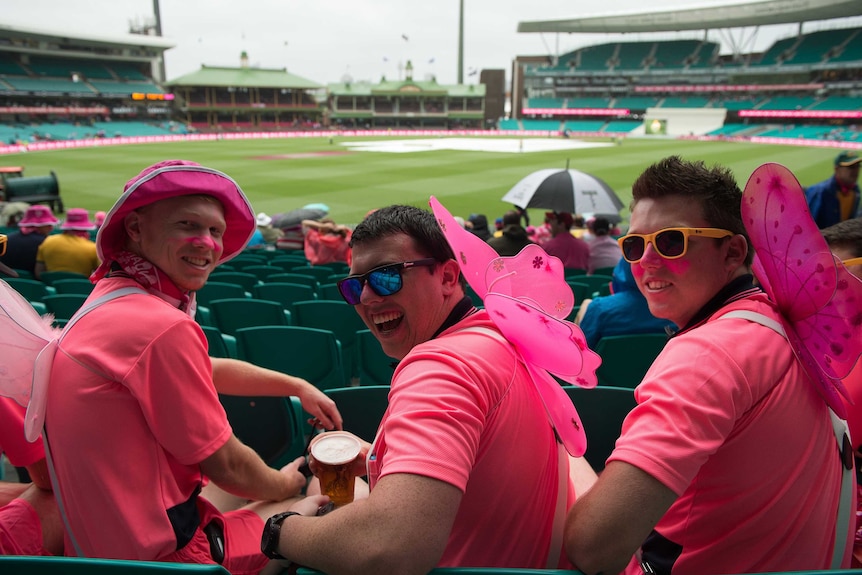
[846, 234]
[511, 218]
[714, 188]
[417, 223]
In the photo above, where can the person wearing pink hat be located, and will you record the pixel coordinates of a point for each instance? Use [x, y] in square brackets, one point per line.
[21, 246]
[137, 428]
[70, 251]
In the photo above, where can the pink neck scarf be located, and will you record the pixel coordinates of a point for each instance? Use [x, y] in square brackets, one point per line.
[153, 280]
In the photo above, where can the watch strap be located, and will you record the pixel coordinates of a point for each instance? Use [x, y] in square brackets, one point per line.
[273, 534]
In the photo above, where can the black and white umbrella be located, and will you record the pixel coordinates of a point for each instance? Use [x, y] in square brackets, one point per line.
[570, 191]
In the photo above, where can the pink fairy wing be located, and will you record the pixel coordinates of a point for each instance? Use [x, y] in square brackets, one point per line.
[34, 419]
[526, 297]
[547, 345]
[818, 298]
[533, 277]
[472, 253]
[556, 345]
[23, 334]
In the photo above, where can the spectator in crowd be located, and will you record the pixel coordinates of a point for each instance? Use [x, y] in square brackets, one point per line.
[12, 212]
[462, 409]
[728, 463]
[623, 312]
[837, 198]
[326, 241]
[70, 251]
[478, 224]
[270, 234]
[572, 251]
[845, 241]
[514, 236]
[132, 384]
[99, 218]
[604, 250]
[21, 246]
[579, 227]
[290, 225]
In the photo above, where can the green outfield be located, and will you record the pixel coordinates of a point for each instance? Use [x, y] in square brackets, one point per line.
[283, 174]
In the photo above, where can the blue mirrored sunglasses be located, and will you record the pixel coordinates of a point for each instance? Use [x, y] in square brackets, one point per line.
[384, 280]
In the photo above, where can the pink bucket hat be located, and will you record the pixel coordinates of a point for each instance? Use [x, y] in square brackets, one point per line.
[78, 219]
[37, 216]
[170, 179]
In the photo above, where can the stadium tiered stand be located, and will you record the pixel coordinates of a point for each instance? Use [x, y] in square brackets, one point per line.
[685, 102]
[745, 103]
[596, 57]
[545, 102]
[732, 130]
[636, 102]
[46, 85]
[851, 51]
[588, 103]
[510, 124]
[633, 55]
[818, 46]
[838, 103]
[778, 52]
[622, 125]
[584, 125]
[552, 125]
[787, 103]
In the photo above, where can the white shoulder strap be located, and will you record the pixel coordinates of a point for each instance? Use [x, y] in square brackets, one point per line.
[51, 471]
[841, 431]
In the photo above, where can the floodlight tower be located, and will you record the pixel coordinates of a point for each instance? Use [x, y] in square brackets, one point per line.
[460, 43]
[157, 14]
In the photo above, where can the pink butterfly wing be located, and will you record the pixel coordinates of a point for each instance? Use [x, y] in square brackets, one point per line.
[533, 277]
[548, 345]
[818, 298]
[472, 253]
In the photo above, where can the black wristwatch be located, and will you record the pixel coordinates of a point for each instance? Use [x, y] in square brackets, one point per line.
[272, 533]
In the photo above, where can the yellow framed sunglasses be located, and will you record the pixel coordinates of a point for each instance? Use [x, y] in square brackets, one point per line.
[670, 243]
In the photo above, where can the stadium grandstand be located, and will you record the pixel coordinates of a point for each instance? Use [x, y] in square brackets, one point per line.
[806, 86]
[246, 98]
[56, 86]
[60, 86]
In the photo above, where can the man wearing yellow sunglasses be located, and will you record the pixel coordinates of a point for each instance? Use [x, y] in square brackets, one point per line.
[845, 241]
[728, 462]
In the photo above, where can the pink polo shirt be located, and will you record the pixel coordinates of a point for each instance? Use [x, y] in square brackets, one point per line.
[728, 420]
[131, 413]
[463, 410]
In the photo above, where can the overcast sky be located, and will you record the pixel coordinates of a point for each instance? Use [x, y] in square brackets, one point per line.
[328, 40]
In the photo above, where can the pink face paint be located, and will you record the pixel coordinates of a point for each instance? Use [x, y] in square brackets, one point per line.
[206, 241]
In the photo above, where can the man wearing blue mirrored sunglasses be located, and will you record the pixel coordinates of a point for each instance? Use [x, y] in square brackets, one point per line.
[465, 468]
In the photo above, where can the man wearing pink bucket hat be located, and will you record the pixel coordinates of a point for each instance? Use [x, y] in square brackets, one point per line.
[33, 228]
[71, 251]
[134, 395]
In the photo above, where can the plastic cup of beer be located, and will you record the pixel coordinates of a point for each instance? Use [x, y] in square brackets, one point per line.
[335, 452]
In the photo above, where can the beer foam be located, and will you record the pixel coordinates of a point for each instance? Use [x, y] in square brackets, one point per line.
[335, 448]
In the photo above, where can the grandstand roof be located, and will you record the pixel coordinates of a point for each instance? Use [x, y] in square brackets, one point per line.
[51, 35]
[244, 77]
[751, 13]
